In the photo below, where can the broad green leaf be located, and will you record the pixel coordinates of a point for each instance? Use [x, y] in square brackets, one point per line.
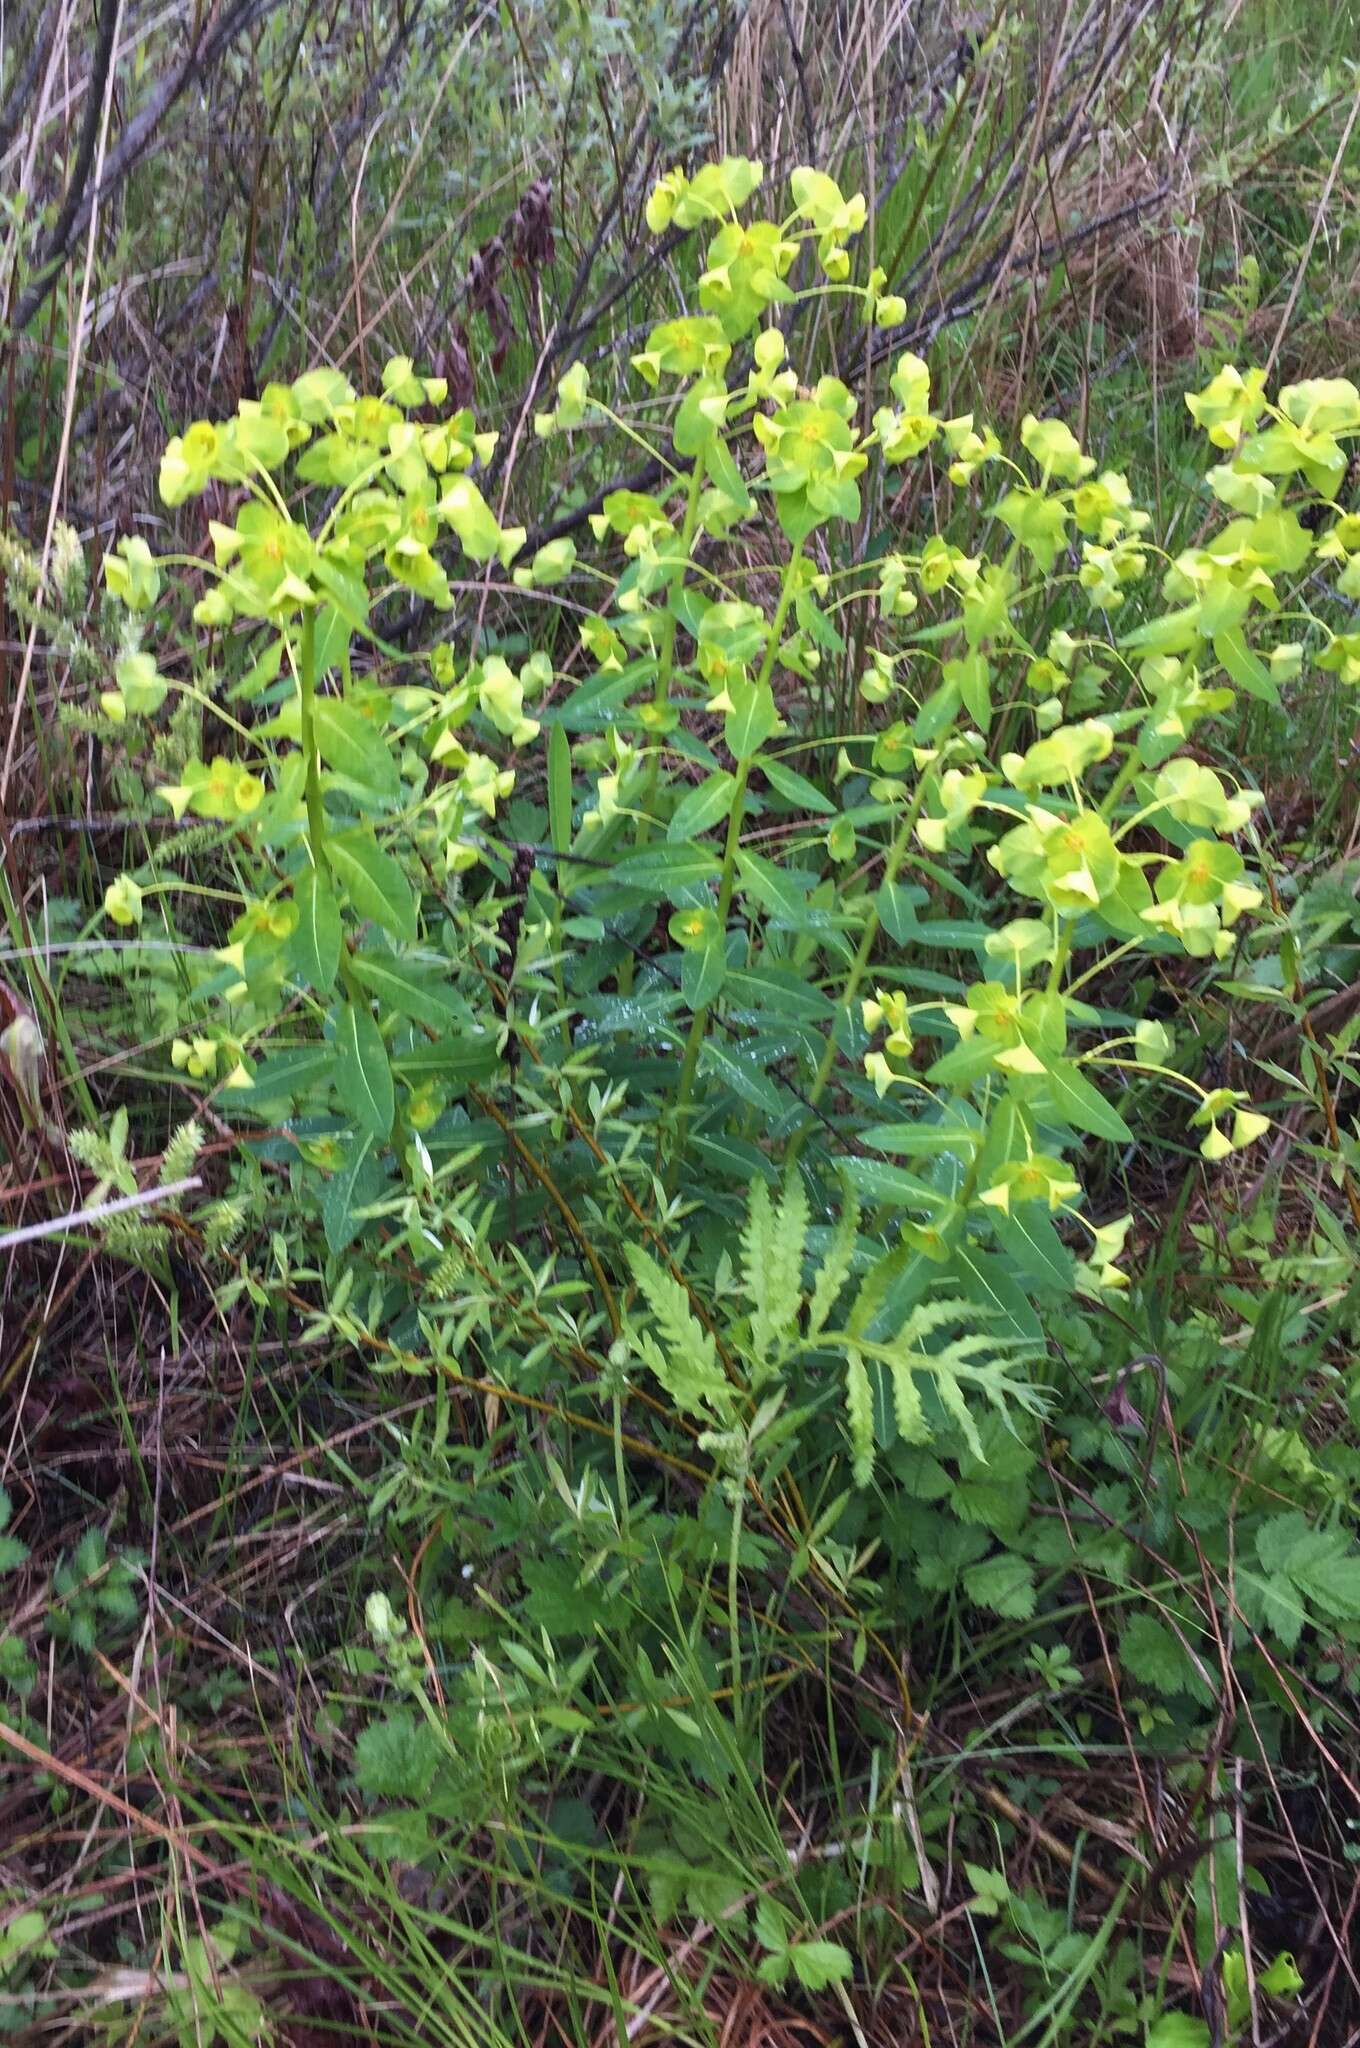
[742, 1075]
[662, 870]
[897, 904]
[1222, 607]
[471, 1056]
[991, 1888]
[354, 746]
[261, 673]
[1174, 633]
[819, 1963]
[985, 1281]
[725, 474]
[349, 597]
[1151, 1654]
[596, 705]
[376, 885]
[783, 892]
[818, 625]
[921, 1141]
[1004, 1585]
[753, 719]
[734, 1157]
[1083, 1106]
[423, 993]
[1246, 669]
[358, 1182]
[643, 1015]
[1269, 1601]
[973, 675]
[1032, 1242]
[1317, 1560]
[949, 934]
[770, 995]
[701, 974]
[363, 1077]
[938, 712]
[559, 789]
[396, 1758]
[701, 808]
[796, 789]
[280, 1078]
[876, 1181]
[332, 639]
[1178, 2030]
[316, 942]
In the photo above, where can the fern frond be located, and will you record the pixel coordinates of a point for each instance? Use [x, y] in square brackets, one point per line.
[859, 1415]
[873, 1289]
[961, 1351]
[756, 1233]
[773, 1242]
[912, 1426]
[688, 1366]
[835, 1267]
[974, 1362]
[929, 1316]
[954, 1404]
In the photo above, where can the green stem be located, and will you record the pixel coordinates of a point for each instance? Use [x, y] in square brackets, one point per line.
[665, 669]
[316, 810]
[1126, 775]
[734, 1606]
[699, 1021]
[897, 852]
[727, 884]
[665, 663]
[1062, 953]
[620, 1472]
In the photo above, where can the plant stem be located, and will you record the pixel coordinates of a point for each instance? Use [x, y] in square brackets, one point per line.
[665, 661]
[699, 1021]
[316, 810]
[665, 666]
[620, 1472]
[859, 965]
[1061, 954]
[665, 669]
[734, 1607]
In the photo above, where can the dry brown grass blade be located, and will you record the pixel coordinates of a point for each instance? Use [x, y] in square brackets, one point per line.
[81, 1781]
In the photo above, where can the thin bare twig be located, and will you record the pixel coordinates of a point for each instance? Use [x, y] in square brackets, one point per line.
[76, 1219]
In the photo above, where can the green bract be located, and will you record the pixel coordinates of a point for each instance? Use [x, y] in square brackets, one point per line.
[131, 574]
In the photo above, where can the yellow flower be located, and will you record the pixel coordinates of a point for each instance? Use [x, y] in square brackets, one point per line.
[880, 1073]
[1035, 1179]
[123, 901]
